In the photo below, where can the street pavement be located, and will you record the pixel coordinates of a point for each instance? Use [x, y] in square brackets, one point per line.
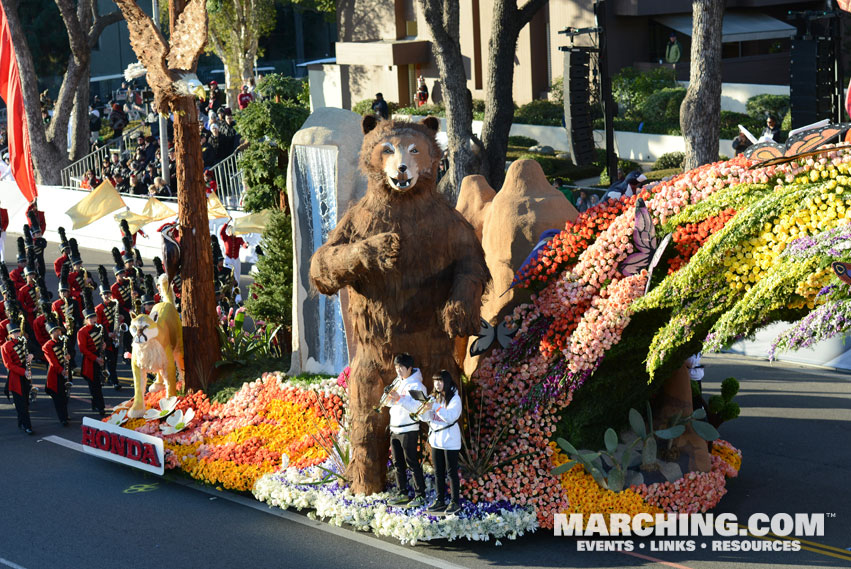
[62, 508]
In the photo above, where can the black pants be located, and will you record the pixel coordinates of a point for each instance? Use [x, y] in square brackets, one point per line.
[22, 406]
[403, 447]
[111, 365]
[95, 390]
[443, 460]
[60, 401]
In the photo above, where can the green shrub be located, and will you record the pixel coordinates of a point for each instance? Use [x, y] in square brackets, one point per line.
[759, 106]
[365, 107]
[267, 118]
[524, 141]
[435, 110]
[730, 121]
[281, 86]
[670, 160]
[655, 175]
[664, 105]
[544, 113]
[557, 90]
[631, 88]
[624, 165]
[787, 121]
[271, 299]
[265, 174]
[478, 106]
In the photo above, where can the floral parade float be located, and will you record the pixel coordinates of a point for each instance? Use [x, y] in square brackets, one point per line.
[599, 344]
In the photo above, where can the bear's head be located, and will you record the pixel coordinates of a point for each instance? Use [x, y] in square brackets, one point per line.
[399, 154]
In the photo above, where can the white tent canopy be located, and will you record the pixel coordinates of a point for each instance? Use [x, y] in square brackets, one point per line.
[737, 26]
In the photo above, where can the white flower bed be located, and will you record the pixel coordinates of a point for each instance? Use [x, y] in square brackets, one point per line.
[337, 505]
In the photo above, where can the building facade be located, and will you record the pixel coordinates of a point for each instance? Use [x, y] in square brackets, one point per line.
[384, 45]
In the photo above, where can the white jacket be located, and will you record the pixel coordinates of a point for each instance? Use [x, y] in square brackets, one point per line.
[439, 436]
[398, 414]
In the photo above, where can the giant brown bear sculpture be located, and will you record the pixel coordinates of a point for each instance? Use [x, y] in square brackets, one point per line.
[415, 273]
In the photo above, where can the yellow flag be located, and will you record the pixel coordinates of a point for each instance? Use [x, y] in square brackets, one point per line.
[157, 210]
[102, 201]
[252, 223]
[215, 209]
[135, 221]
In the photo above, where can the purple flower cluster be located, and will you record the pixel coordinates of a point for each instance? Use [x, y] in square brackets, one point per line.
[826, 321]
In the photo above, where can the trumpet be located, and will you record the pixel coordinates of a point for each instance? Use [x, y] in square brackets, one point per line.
[383, 402]
[425, 405]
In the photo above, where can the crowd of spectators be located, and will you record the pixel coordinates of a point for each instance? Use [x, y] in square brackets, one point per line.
[137, 171]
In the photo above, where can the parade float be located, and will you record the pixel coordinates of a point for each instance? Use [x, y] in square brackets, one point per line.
[578, 399]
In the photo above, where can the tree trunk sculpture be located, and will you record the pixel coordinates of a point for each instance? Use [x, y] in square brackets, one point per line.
[171, 75]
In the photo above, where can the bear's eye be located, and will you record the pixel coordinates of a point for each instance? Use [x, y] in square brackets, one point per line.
[414, 151]
[387, 150]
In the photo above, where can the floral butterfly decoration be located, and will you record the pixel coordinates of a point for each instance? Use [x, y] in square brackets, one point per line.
[842, 270]
[801, 143]
[648, 251]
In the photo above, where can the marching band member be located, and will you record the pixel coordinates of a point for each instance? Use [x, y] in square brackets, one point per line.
[17, 360]
[64, 248]
[90, 340]
[58, 368]
[4, 224]
[110, 318]
[17, 275]
[69, 305]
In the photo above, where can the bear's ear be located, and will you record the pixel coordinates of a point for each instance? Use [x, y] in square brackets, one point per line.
[431, 123]
[368, 123]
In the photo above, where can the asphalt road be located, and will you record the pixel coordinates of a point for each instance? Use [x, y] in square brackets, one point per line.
[61, 508]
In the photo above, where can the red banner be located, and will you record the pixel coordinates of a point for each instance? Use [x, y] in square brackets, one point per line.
[20, 155]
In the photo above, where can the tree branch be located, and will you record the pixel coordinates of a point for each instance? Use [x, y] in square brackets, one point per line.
[526, 12]
[76, 37]
[100, 23]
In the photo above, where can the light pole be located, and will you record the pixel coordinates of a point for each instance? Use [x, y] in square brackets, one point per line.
[161, 117]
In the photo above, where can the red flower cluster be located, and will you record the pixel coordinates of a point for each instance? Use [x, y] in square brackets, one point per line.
[564, 249]
[691, 237]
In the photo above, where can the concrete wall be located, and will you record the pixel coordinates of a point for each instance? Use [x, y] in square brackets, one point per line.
[735, 95]
[326, 86]
[103, 234]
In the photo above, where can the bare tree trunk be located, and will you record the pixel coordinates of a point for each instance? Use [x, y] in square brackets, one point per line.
[508, 20]
[80, 132]
[700, 113]
[442, 19]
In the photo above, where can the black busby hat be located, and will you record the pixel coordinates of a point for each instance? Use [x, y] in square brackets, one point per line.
[118, 269]
[158, 265]
[125, 229]
[63, 241]
[150, 291]
[28, 236]
[127, 254]
[51, 324]
[32, 215]
[46, 295]
[13, 312]
[22, 250]
[137, 256]
[104, 280]
[44, 307]
[31, 265]
[63, 278]
[75, 252]
[88, 304]
[217, 250]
